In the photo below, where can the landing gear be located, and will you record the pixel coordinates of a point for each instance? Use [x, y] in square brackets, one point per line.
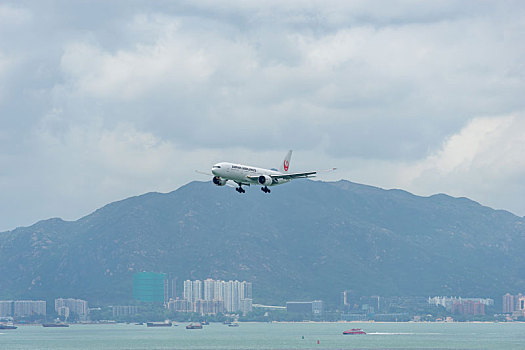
[240, 189]
[265, 189]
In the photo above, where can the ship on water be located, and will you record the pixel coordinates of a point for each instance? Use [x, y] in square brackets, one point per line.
[54, 325]
[8, 326]
[195, 325]
[159, 324]
[354, 331]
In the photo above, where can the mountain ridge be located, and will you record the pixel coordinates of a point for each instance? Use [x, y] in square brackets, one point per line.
[309, 239]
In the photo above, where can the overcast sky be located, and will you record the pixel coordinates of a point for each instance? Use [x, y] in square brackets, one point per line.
[102, 100]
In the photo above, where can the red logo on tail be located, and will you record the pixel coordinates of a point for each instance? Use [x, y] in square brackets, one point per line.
[285, 165]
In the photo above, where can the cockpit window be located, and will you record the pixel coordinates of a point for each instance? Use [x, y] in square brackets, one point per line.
[216, 167]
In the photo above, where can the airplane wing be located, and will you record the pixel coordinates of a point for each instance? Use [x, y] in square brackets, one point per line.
[204, 173]
[300, 175]
[294, 175]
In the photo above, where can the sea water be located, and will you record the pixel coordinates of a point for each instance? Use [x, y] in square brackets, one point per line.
[270, 336]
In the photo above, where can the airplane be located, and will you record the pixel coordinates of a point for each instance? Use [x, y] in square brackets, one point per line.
[250, 175]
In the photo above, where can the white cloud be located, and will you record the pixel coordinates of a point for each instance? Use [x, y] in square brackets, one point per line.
[98, 101]
[13, 15]
[483, 161]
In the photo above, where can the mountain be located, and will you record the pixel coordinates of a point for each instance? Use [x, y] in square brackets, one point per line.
[305, 240]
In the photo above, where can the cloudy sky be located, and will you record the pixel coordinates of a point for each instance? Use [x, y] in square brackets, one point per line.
[102, 100]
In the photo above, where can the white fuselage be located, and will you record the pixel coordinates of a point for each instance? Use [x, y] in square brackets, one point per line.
[244, 174]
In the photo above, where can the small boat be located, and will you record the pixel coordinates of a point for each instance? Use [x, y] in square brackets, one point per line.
[7, 326]
[233, 325]
[205, 323]
[196, 325]
[354, 331]
[54, 325]
[158, 324]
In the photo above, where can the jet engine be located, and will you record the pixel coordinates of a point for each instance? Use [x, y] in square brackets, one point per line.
[218, 181]
[265, 180]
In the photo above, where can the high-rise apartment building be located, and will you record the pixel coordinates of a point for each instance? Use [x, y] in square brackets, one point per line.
[229, 294]
[27, 308]
[197, 290]
[149, 286]
[6, 308]
[180, 305]
[508, 303]
[218, 290]
[521, 302]
[77, 306]
[209, 289]
[170, 289]
[188, 291]
[192, 290]
[125, 310]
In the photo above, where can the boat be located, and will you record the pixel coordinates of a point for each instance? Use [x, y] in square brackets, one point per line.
[7, 326]
[194, 326]
[54, 325]
[354, 331]
[233, 325]
[158, 324]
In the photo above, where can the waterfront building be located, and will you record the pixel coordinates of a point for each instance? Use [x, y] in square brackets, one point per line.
[188, 291]
[218, 290]
[27, 308]
[62, 311]
[125, 310]
[521, 303]
[209, 289]
[305, 307]
[78, 306]
[448, 302]
[209, 307]
[180, 305]
[468, 307]
[508, 303]
[197, 290]
[170, 289]
[149, 286]
[6, 308]
[317, 307]
[228, 295]
[246, 306]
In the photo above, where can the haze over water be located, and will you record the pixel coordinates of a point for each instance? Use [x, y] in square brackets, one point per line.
[270, 336]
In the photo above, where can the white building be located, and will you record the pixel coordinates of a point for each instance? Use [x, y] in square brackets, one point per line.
[188, 291]
[218, 290]
[230, 295]
[77, 306]
[448, 302]
[197, 290]
[209, 289]
[124, 310]
[246, 306]
[24, 308]
[6, 308]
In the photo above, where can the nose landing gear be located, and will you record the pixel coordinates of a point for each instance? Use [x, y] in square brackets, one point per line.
[240, 189]
[265, 189]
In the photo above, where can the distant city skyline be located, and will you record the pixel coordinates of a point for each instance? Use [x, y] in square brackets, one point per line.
[215, 296]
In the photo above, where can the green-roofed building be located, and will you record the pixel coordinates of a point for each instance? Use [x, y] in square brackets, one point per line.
[149, 286]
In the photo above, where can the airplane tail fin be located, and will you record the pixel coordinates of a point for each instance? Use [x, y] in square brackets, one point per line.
[285, 165]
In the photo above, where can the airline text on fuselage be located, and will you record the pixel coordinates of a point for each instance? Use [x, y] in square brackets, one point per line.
[243, 168]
